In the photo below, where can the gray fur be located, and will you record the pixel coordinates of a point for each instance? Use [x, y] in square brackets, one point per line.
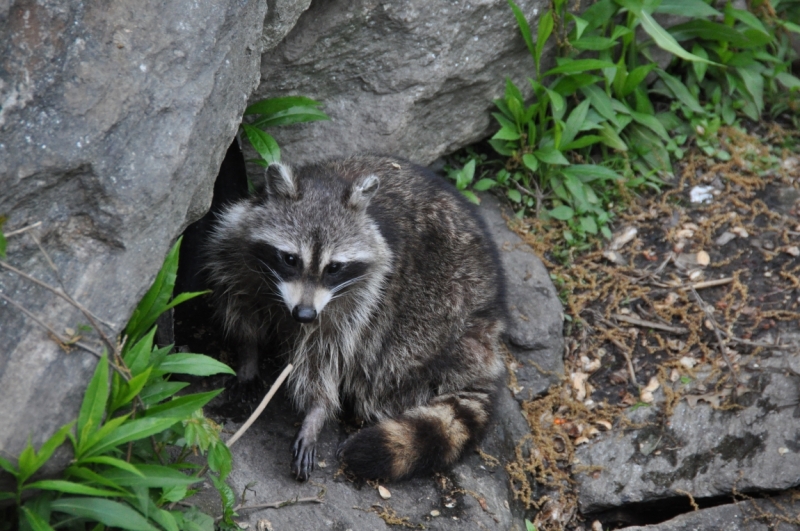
[413, 334]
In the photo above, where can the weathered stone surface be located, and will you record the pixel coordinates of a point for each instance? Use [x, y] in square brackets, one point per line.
[114, 120]
[415, 79]
[535, 332]
[771, 514]
[282, 15]
[704, 451]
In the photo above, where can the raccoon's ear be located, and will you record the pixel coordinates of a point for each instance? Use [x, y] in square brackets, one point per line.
[362, 191]
[281, 181]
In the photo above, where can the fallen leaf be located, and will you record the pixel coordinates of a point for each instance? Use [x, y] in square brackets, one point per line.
[653, 384]
[383, 492]
[688, 362]
[621, 238]
[702, 258]
[646, 397]
[604, 423]
[793, 250]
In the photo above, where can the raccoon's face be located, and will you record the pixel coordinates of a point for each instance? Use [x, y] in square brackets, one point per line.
[315, 241]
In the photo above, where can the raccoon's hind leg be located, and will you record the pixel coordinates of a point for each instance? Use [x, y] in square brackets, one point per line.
[423, 439]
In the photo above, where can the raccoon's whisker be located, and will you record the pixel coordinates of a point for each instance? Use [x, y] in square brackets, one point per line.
[350, 282]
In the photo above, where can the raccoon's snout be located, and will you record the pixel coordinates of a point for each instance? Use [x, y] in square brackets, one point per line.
[304, 314]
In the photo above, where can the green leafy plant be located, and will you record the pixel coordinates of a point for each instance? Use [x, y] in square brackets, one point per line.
[606, 117]
[131, 439]
[273, 112]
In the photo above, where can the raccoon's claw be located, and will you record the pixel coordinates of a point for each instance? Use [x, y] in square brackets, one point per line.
[304, 455]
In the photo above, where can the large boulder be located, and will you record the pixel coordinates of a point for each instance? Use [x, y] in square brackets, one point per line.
[414, 79]
[114, 119]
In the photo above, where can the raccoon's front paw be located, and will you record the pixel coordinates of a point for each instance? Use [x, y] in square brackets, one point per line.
[304, 455]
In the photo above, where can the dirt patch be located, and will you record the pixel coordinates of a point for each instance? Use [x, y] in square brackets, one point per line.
[700, 280]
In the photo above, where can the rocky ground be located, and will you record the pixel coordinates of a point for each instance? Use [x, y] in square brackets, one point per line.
[670, 401]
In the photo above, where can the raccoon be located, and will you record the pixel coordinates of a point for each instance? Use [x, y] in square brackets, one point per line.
[384, 287]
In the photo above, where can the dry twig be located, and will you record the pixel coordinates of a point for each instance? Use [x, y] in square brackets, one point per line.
[650, 324]
[261, 406]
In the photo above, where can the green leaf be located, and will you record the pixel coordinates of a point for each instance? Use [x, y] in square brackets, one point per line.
[699, 68]
[70, 487]
[680, 91]
[543, 31]
[662, 38]
[788, 80]
[578, 66]
[574, 122]
[710, 31]
[687, 8]
[747, 18]
[153, 303]
[551, 155]
[588, 224]
[465, 175]
[194, 364]
[593, 43]
[36, 522]
[8, 466]
[132, 430]
[575, 187]
[611, 138]
[94, 402]
[114, 462]
[755, 86]
[582, 142]
[562, 213]
[94, 436]
[635, 78]
[263, 143]
[108, 512]
[652, 123]
[599, 13]
[183, 406]
[591, 172]
[274, 105]
[29, 461]
[183, 297]
[471, 197]
[524, 28]
[129, 390]
[506, 133]
[601, 102]
[290, 116]
[485, 184]
[580, 25]
[3, 242]
[220, 459]
[137, 357]
[155, 476]
[514, 195]
[48, 448]
[530, 162]
[158, 391]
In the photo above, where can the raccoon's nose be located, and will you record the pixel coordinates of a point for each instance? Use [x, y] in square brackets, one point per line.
[304, 314]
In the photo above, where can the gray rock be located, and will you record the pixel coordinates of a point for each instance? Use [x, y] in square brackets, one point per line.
[282, 15]
[771, 514]
[114, 120]
[704, 451]
[535, 333]
[415, 79]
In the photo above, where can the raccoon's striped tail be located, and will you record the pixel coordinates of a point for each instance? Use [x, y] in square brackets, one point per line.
[424, 439]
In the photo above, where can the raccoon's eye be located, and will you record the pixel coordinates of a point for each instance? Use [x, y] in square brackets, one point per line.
[334, 267]
[290, 259]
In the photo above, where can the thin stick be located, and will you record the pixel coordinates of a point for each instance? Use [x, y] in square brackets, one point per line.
[720, 341]
[61, 340]
[650, 324]
[261, 406]
[64, 296]
[622, 348]
[708, 283]
[274, 505]
[23, 229]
